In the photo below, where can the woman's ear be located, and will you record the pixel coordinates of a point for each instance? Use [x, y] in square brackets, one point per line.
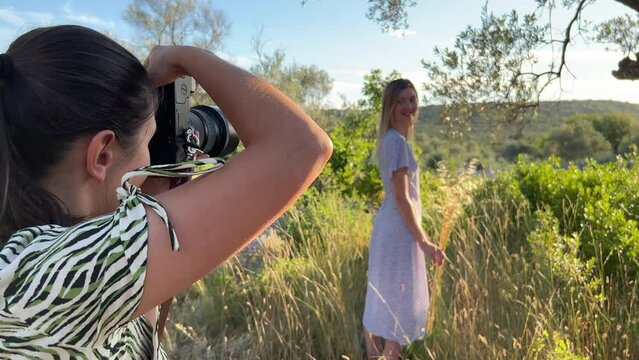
[100, 154]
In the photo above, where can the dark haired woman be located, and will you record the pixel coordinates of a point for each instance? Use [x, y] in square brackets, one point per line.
[87, 257]
[397, 294]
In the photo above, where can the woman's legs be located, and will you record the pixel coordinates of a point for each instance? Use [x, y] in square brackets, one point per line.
[392, 350]
[373, 345]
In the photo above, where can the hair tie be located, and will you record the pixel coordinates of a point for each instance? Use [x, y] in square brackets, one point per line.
[6, 66]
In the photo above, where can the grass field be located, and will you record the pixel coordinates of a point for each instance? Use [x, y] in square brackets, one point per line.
[514, 286]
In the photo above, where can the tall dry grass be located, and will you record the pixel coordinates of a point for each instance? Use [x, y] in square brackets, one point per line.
[512, 289]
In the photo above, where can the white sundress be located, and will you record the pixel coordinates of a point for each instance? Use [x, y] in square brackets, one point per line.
[397, 299]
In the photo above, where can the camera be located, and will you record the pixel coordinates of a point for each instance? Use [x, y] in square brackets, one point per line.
[178, 122]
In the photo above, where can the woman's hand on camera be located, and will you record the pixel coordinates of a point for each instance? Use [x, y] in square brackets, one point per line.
[162, 64]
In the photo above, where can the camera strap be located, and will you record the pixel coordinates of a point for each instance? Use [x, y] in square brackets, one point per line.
[192, 150]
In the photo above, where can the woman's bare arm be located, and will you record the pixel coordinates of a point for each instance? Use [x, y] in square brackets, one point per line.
[399, 181]
[216, 215]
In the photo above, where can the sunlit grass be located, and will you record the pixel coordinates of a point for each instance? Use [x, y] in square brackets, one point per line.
[512, 289]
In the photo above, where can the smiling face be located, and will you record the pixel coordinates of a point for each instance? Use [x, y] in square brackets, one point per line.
[405, 108]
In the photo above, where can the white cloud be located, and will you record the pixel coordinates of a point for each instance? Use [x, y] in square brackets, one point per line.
[242, 61]
[344, 91]
[12, 17]
[19, 19]
[39, 18]
[398, 33]
[588, 77]
[70, 14]
[352, 72]
[90, 20]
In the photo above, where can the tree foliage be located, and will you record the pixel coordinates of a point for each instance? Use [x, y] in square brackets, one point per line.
[577, 140]
[615, 127]
[173, 22]
[623, 33]
[484, 72]
[391, 15]
[307, 85]
[373, 90]
[352, 170]
[468, 78]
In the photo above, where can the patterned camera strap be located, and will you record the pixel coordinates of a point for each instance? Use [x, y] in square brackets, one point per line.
[181, 172]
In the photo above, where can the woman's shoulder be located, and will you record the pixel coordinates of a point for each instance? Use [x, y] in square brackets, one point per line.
[22, 238]
[393, 138]
[44, 241]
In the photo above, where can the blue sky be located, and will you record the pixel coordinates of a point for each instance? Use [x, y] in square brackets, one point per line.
[336, 36]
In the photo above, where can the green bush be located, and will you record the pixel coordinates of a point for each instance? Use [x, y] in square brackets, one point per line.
[599, 204]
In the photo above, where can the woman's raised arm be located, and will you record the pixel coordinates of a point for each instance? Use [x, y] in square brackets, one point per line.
[216, 215]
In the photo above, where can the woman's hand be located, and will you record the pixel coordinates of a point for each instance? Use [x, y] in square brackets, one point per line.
[432, 251]
[438, 256]
[162, 64]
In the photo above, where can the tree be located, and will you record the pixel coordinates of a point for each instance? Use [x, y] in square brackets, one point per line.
[173, 22]
[178, 22]
[374, 84]
[483, 74]
[465, 77]
[621, 31]
[615, 127]
[577, 140]
[390, 14]
[307, 85]
[352, 169]
[512, 150]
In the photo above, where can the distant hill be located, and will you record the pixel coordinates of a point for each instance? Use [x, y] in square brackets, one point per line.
[483, 142]
[551, 114]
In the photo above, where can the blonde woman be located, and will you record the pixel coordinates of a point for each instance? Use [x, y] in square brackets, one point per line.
[397, 294]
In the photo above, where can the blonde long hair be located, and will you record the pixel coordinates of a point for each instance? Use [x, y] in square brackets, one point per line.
[391, 92]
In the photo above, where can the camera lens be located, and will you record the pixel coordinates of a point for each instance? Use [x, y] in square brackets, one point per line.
[217, 136]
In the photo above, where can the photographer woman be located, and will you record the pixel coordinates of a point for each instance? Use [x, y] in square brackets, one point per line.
[397, 294]
[87, 257]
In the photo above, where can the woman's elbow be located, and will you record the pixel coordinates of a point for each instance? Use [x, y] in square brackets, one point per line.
[316, 148]
[324, 147]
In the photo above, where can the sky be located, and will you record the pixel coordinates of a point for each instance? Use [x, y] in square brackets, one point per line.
[336, 36]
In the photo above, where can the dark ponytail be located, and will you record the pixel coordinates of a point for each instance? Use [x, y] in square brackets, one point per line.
[65, 82]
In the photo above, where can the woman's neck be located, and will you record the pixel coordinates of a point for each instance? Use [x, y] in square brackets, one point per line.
[403, 129]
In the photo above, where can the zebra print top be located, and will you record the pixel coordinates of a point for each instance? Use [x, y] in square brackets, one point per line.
[70, 292]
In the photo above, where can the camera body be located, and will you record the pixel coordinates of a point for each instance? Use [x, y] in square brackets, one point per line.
[177, 121]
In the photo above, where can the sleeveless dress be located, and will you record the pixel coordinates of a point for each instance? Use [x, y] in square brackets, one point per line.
[397, 293]
[70, 292]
